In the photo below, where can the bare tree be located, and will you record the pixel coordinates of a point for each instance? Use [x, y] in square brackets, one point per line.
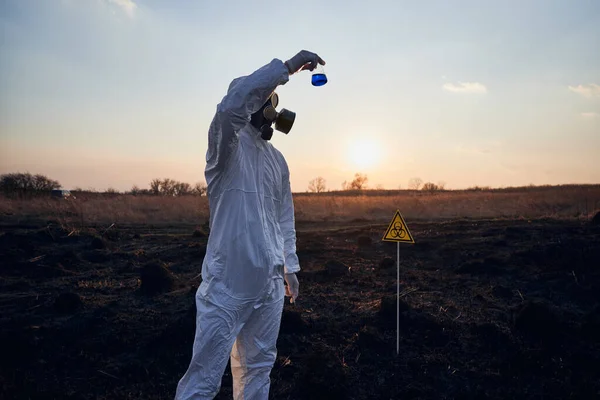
[415, 183]
[430, 187]
[317, 185]
[172, 187]
[155, 186]
[167, 187]
[199, 188]
[181, 189]
[40, 182]
[441, 185]
[358, 183]
[379, 187]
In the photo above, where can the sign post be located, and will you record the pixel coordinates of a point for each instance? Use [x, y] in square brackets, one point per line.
[398, 232]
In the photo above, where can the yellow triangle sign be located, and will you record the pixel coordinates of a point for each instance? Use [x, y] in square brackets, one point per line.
[398, 231]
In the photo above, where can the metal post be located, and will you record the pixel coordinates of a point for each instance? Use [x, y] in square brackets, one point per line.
[398, 298]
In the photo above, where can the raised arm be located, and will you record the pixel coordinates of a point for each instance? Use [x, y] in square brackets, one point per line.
[245, 96]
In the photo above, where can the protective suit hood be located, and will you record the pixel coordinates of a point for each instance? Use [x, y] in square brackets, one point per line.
[266, 115]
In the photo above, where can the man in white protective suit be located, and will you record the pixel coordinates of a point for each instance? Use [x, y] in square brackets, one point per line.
[252, 244]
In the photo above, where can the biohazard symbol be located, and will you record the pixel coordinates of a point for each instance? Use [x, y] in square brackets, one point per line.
[398, 231]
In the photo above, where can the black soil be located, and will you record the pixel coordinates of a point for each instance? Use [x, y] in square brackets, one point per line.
[488, 310]
[596, 219]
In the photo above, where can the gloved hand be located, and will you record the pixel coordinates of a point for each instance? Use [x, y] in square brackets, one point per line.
[293, 287]
[303, 60]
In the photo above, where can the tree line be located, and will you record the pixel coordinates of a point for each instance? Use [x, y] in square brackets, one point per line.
[19, 184]
[26, 184]
[360, 182]
[162, 187]
[171, 187]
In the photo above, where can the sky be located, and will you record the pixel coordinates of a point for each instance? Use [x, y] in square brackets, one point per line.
[115, 93]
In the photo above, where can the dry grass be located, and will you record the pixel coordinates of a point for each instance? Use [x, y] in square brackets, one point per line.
[120, 210]
[555, 202]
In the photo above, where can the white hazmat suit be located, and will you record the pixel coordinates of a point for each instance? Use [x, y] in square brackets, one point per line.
[252, 243]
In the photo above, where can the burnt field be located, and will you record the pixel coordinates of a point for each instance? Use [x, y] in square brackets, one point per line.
[491, 309]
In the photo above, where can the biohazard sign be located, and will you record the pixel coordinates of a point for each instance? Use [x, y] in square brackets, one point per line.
[398, 231]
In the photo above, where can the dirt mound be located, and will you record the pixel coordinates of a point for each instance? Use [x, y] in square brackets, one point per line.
[322, 376]
[490, 337]
[17, 242]
[537, 320]
[590, 327]
[68, 303]
[291, 322]
[364, 241]
[180, 329]
[97, 244]
[51, 233]
[67, 258]
[371, 342]
[129, 267]
[596, 220]
[96, 256]
[488, 266]
[567, 255]
[335, 268]
[156, 279]
[423, 327]
[387, 263]
[502, 292]
[387, 309]
[112, 234]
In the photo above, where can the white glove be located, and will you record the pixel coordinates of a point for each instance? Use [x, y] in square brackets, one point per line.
[293, 287]
[303, 60]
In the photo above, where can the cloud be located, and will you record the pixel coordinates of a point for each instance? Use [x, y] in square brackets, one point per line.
[127, 5]
[482, 149]
[465, 87]
[590, 90]
[590, 115]
[473, 150]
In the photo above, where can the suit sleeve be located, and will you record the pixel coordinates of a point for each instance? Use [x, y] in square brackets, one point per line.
[245, 96]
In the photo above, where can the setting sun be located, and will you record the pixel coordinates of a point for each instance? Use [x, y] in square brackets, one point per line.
[364, 153]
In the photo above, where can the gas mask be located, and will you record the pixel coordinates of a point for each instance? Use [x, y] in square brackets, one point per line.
[267, 116]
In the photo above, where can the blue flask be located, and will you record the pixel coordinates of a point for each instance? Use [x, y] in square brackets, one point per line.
[318, 76]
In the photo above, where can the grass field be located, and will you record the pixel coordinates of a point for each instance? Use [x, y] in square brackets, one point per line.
[564, 202]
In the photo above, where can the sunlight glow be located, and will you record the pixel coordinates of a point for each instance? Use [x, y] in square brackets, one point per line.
[364, 153]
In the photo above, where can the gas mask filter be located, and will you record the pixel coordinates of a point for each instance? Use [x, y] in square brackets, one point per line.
[283, 120]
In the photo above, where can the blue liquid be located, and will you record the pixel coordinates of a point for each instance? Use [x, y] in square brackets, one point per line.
[319, 79]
